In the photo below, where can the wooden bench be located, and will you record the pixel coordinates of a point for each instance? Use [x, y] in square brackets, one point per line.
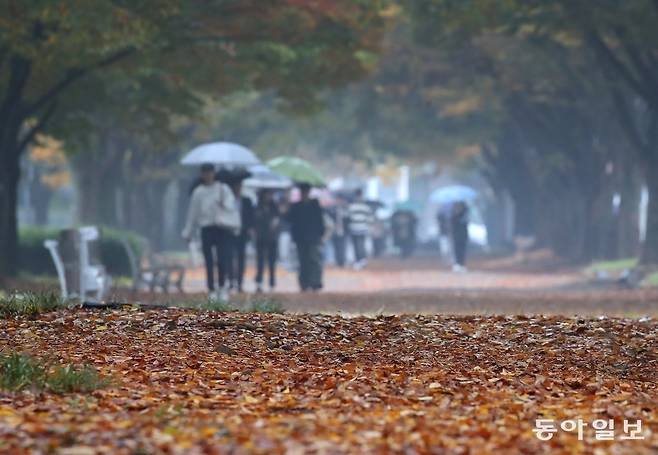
[149, 271]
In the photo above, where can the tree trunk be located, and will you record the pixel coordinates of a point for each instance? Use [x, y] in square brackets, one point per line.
[11, 122]
[549, 214]
[562, 223]
[628, 229]
[98, 198]
[157, 213]
[89, 185]
[40, 197]
[569, 228]
[526, 210]
[182, 206]
[41, 208]
[9, 177]
[650, 247]
[599, 225]
[145, 209]
[99, 175]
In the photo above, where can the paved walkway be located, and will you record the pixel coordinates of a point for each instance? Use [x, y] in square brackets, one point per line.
[413, 275]
[501, 286]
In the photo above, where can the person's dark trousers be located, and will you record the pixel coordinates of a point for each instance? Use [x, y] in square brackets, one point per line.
[359, 241]
[407, 248]
[225, 254]
[339, 249]
[310, 266]
[239, 258]
[460, 242]
[379, 245]
[266, 250]
[216, 243]
[230, 271]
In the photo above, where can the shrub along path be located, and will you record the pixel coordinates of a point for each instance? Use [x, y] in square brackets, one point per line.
[186, 381]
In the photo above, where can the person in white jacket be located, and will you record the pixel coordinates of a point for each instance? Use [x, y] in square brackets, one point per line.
[211, 202]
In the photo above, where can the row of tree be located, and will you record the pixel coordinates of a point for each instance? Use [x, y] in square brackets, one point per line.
[557, 95]
[566, 94]
[115, 79]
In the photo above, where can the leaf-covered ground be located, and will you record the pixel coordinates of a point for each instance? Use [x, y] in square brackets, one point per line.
[201, 382]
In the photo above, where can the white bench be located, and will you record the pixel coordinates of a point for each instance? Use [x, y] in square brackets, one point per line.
[78, 274]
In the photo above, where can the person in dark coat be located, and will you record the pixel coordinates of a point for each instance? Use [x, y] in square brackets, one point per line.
[443, 222]
[267, 225]
[307, 229]
[403, 225]
[340, 217]
[246, 209]
[459, 230]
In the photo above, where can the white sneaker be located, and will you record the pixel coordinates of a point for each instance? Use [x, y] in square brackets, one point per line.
[223, 295]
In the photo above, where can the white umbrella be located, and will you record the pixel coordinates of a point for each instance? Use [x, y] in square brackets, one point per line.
[263, 177]
[222, 153]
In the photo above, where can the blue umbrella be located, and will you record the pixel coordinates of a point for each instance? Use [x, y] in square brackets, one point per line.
[451, 194]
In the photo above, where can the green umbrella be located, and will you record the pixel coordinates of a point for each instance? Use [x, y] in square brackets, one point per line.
[297, 170]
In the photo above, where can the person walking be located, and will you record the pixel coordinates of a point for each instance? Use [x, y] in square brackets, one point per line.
[459, 229]
[378, 232]
[339, 234]
[267, 225]
[240, 240]
[360, 220]
[443, 222]
[307, 229]
[212, 210]
[403, 225]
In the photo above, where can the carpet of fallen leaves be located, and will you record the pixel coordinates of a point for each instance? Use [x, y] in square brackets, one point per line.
[200, 382]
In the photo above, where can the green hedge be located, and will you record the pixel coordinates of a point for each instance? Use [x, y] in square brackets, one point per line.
[34, 258]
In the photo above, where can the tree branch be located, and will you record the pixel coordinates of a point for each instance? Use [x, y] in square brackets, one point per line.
[18, 77]
[72, 76]
[611, 60]
[4, 52]
[626, 120]
[29, 137]
[643, 68]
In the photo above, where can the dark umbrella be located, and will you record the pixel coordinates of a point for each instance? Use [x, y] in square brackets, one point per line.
[374, 204]
[229, 176]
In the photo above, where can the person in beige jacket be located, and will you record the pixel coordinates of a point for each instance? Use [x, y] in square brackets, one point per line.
[212, 200]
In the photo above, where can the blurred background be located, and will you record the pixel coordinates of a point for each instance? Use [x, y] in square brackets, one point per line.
[547, 110]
